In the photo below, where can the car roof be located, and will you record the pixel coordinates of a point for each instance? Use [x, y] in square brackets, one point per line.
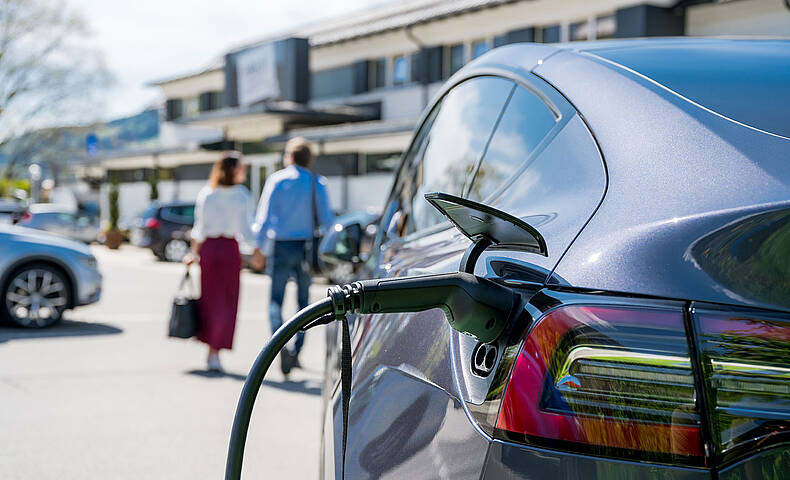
[745, 80]
[678, 164]
[50, 208]
[742, 79]
[8, 204]
[178, 203]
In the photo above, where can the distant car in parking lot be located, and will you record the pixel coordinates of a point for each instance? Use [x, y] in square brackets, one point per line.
[164, 228]
[346, 244]
[42, 275]
[61, 220]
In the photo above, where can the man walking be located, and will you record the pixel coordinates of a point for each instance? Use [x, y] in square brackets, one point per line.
[293, 203]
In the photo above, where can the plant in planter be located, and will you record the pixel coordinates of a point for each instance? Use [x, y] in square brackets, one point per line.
[113, 236]
[153, 183]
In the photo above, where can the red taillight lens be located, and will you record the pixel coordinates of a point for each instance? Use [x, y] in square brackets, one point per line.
[152, 223]
[26, 217]
[613, 381]
[746, 361]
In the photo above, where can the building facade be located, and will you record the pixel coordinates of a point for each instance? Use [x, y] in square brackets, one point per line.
[355, 87]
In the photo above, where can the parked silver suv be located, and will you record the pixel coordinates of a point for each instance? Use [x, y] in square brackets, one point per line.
[42, 275]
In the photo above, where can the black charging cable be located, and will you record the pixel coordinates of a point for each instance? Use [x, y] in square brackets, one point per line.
[476, 306]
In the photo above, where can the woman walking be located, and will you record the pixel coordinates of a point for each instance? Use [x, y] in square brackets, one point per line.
[222, 215]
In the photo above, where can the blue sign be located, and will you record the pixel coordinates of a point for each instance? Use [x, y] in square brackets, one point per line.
[91, 144]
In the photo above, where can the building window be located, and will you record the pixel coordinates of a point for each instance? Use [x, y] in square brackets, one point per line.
[174, 108]
[377, 73]
[479, 47]
[605, 27]
[580, 31]
[333, 82]
[381, 162]
[191, 107]
[454, 59]
[548, 34]
[400, 70]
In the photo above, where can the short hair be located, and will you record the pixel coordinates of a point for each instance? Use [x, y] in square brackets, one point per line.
[299, 149]
[224, 168]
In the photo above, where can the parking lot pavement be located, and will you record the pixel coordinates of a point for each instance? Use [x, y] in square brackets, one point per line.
[106, 395]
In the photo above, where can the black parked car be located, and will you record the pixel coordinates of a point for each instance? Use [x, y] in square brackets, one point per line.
[165, 228]
[653, 340]
[346, 245]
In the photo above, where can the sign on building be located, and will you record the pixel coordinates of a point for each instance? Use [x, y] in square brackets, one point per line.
[256, 74]
[277, 70]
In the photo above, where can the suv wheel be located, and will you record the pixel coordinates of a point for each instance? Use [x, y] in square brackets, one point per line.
[36, 295]
[175, 250]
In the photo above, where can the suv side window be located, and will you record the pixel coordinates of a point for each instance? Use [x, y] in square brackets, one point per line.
[524, 123]
[447, 149]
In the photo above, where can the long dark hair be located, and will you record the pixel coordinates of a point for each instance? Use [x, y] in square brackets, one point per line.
[222, 172]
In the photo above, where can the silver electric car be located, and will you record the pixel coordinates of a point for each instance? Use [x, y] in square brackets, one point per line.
[42, 275]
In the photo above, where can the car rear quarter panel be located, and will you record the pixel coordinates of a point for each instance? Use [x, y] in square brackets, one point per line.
[679, 175]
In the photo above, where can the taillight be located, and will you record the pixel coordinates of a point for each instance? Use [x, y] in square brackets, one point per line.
[152, 223]
[26, 217]
[746, 363]
[606, 380]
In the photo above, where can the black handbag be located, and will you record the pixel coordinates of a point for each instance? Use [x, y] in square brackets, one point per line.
[184, 316]
[312, 245]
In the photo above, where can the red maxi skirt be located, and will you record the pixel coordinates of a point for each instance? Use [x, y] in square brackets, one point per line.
[220, 268]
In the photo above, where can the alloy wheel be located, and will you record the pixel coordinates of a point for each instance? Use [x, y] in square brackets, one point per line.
[175, 250]
[36, 297]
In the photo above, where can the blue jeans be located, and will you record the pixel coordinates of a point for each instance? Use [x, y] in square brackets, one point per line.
[288, 261]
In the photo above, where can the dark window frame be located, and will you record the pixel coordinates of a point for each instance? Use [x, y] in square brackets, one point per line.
[550, 97]
[377, 73]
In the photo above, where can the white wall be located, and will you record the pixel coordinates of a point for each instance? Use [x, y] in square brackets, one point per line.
[363, 191]
[744, 17]
[369, 190]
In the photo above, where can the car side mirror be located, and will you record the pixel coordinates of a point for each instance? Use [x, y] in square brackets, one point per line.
[341, 244]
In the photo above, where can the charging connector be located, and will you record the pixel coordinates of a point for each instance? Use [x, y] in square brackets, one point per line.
[476, 306]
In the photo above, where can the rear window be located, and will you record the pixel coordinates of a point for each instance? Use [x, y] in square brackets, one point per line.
[745, 80]
[179, 213]
[150, 212]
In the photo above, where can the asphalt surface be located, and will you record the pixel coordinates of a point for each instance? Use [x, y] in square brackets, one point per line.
[106, 395]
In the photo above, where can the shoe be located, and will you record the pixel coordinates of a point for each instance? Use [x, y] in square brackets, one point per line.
[286, 362]
[213, 363]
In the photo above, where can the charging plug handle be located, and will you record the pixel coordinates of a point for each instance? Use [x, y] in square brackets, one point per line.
[475, 306]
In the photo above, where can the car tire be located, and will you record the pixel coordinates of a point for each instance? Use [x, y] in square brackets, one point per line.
[175, 250]
[36, 295]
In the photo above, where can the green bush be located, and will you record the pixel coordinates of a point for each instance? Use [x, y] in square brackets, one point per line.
[9, 186]
[153, 182]
[113, 199]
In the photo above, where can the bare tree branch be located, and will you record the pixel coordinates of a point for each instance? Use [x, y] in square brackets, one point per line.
[48, 74]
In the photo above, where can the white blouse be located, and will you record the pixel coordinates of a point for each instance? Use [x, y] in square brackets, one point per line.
[223, 212]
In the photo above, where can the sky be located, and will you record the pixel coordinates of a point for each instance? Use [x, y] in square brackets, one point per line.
[147, 40]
